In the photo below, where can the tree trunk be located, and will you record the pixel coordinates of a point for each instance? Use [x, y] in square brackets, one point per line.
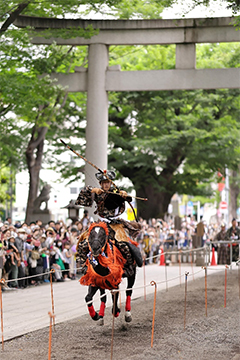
[157, 204]
[234, 192]
[34, 154]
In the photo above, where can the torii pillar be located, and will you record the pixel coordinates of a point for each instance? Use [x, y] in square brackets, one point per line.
[97, 111]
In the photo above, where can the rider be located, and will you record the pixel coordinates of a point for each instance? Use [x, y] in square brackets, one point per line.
[110, 204]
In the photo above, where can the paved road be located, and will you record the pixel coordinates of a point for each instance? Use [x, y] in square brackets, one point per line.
[27, 310]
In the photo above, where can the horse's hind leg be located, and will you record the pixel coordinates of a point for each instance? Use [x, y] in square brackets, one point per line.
[91, 292]
[130, 283]
[102, 306]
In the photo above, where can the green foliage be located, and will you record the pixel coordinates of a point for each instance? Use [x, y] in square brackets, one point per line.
[140, 57]
[175, 140]
[220, 55]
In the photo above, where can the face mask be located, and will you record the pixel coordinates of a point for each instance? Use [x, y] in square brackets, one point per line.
[59, 243]
[22, 236]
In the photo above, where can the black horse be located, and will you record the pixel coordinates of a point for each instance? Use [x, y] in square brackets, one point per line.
[107, 261]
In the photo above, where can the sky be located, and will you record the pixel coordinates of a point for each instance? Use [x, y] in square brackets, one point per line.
[182, 7]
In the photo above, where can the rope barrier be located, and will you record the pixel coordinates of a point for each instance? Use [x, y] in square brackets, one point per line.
[174, 252]
[52, 315]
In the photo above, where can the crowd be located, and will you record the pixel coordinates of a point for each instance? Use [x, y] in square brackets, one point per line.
[158, 233]
[31, 250]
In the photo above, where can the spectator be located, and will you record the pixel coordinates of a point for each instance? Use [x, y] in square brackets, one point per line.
[73, 239]
[67, 255]
[15, 262]
[170, 238]
[51, 237]
[85, 220]
[53, 264]
[222, 250]
[233, 233]
[32, 259]
[19, 242]
[45, 257]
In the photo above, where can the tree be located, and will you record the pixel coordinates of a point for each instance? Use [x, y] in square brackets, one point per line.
[21, 65]
[174, 141]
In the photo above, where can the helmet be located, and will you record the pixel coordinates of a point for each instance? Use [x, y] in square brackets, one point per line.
[105, 175]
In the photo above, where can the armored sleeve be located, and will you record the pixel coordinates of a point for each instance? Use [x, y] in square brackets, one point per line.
[82, 252]
[85, 197]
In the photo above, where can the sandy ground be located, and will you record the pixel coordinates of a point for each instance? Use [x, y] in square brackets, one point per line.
[212, 337]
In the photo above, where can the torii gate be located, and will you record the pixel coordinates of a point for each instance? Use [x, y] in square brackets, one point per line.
[99, 78]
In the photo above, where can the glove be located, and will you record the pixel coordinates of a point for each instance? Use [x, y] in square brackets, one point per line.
[123, 193]
[97, 191]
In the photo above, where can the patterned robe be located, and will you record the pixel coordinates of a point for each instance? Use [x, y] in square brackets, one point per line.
[233, 234]
[223, 250]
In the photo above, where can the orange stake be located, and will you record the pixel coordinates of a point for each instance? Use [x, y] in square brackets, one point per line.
[50, 335]
[144, 277]
[185, 307]
[166, 278]
[225, 289]
[2, 281]
[179, 260]
[191, 255]
[205, 289]
[154, 307]
[52, 271]
[238, 265]
[114, 307]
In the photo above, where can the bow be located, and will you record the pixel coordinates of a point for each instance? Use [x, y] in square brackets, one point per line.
[103, 172]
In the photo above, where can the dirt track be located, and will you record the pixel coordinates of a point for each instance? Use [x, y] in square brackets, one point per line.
[216, 336]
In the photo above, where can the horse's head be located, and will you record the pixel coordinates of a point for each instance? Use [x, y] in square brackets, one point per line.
[97, 238]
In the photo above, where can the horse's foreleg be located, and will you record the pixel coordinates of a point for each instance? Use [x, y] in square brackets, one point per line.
[102, 306]
[115, 309]
[91, 292]
[130, 283]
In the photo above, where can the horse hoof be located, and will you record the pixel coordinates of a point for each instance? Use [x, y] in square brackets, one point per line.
[116, 312]
[96, 317]
[128, 316]
[101, 321]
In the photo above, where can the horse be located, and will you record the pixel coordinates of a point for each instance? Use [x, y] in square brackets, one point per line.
[108, 261]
